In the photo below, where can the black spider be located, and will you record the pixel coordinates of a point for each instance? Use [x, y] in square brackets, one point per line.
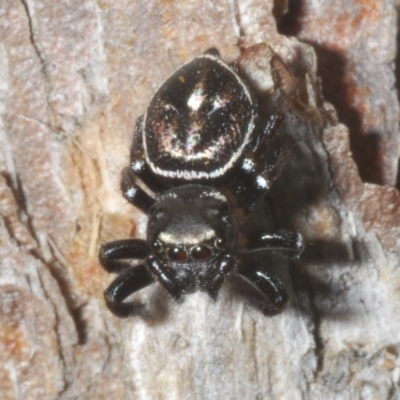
[200, 134]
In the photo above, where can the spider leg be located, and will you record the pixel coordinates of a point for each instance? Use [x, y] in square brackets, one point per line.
[213, 279]
[113, 254]
[264, 136]
[262, 163]
[139, 166]
[134, 193]
[269, 294]
[287, 241]
[129, 281]
[139, 170]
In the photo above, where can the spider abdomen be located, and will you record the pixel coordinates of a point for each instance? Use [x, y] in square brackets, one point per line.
[198, 122]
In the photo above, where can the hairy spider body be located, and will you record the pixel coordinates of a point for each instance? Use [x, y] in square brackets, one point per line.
[199, 135]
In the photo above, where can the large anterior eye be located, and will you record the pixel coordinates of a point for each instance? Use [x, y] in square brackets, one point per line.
[177, 254]
[201, 253]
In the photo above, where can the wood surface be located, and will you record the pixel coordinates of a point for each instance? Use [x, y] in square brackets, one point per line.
[74, 76]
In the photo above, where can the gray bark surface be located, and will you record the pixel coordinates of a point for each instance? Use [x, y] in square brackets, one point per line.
[74, 76]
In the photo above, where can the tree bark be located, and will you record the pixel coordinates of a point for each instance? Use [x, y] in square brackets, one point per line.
[74, 76]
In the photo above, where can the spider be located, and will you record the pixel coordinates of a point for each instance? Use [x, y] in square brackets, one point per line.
[200, 135]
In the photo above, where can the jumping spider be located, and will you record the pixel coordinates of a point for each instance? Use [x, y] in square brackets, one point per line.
[200, 134]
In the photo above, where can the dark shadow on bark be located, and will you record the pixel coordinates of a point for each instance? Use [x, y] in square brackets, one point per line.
[333, 67]
[336, 89]
[289, 23]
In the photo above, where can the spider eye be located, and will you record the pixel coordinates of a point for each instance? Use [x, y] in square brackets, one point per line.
[157, 246]
[177, 254]
[201, 253]
[220, 242]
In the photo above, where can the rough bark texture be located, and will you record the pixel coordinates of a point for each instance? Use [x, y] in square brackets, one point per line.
[74, 76]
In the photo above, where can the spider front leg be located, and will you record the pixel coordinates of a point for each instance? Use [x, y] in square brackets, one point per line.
[268, 292]
[113, 257]
[128, 282]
